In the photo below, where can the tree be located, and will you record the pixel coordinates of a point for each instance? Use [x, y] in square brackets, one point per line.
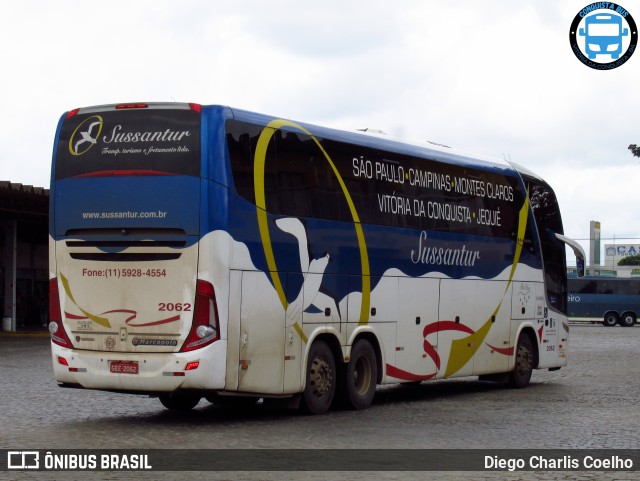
[635, 150]
[630, 261]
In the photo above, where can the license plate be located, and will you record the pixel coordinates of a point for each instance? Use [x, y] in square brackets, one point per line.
[123, 367]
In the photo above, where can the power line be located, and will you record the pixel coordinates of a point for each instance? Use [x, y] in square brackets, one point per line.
[607, 238]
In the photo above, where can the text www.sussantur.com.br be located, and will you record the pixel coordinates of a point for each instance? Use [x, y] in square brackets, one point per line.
[159, 214]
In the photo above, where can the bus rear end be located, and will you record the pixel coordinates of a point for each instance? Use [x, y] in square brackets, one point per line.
[127, 310]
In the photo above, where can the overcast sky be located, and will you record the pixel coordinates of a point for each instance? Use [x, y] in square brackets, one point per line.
[496, 77]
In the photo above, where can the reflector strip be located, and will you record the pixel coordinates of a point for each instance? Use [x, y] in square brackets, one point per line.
[192, 365]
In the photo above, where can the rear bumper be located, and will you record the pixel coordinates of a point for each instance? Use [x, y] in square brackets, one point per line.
[157, 372]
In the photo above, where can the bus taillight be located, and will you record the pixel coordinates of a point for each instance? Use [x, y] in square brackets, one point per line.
[196, 107]
[58, 334]
[205, 328]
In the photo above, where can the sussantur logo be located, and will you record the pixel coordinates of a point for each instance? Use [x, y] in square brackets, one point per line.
[85, 135]
[603, 35]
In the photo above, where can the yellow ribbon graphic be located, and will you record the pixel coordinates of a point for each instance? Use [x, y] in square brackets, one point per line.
[261, 211]
[103, 321]
[462, 350]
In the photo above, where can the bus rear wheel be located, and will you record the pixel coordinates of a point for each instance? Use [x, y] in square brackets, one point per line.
[610, 319]
[179, 401]
[521, 375]
[360, 377]
[628, 319]
[320, 385]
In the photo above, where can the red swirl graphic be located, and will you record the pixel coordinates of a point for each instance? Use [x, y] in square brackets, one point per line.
[129, 320]
[431, 352]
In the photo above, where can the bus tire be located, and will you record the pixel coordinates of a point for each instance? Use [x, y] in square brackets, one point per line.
[521, 374]
[628, 319]
[179, 401]
[320, 386]
[360, 377]
[610, 319]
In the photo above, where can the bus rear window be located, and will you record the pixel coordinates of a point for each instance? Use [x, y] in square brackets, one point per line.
[153, 141]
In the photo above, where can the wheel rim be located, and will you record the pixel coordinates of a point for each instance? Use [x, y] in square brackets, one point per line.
[321, 377]
[362, 375]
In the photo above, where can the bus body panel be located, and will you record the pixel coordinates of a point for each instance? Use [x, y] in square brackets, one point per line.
[153, 202]
[419, 301]
[143, 313]
[135, 245]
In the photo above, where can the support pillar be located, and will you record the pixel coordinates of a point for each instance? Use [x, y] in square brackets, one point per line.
[9, 271]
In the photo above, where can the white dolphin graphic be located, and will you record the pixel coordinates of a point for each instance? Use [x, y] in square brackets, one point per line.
[310, 290]
[86, 136]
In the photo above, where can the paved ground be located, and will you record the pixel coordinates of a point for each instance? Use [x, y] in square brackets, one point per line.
[593, 403]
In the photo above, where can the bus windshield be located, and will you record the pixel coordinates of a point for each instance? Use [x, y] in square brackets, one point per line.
[549, 222]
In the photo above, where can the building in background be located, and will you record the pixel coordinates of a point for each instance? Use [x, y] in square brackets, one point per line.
[613, 254]
[594, 236]
[24, 263]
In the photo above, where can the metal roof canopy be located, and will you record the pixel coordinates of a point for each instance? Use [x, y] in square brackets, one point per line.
[28, 205]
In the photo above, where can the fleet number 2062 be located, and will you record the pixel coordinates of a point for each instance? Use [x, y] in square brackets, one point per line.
[174, 306]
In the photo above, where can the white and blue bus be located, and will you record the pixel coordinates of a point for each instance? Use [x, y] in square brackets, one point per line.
[608, 300]
[203, 251]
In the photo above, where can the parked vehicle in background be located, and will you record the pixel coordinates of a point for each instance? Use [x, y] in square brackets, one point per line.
[608, 300]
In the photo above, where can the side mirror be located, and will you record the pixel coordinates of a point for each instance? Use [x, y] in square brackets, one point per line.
[577, 250]
[625, 32]
[579, 266]
[582, 32]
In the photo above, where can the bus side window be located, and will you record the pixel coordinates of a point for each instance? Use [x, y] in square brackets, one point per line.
[307, 185]
[589, 288]
[241, 141]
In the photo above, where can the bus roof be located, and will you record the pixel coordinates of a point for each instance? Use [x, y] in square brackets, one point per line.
[371, 139]
[384, 142]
